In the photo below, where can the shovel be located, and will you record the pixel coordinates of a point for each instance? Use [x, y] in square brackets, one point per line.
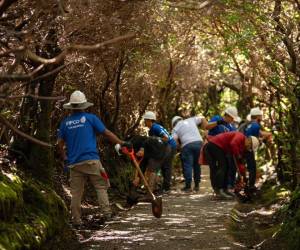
[156, 201]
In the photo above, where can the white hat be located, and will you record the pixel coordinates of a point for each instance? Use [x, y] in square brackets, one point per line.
[238, 120]
[77, 101]
[176, 119]
[248, 118]
[232, 111]
[255, 143]
[149, 115]
[256, 111]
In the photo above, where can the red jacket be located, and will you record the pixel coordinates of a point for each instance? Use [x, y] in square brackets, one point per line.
[231, 142]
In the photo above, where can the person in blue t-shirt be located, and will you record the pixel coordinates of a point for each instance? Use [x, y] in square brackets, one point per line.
[218, 125]
[77, 133]
[159, 131]
[253, 128]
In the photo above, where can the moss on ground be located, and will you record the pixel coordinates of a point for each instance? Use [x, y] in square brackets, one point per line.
[31, 213]
[290, 230]
[10, 196]
[259, 222]
[272, 193]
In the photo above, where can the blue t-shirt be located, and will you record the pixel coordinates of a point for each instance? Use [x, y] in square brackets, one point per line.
[220, 128]
[79, 133]
[252, 129]
[160, 131]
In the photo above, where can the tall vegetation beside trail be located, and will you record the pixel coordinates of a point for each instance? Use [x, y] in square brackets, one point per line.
[173, 57]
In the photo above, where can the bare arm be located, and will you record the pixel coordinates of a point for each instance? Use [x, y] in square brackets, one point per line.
[175, 137]
[210, 125]
[204, 123]
[61, 149]
[112, 137]
[165, 138]
[265, 134]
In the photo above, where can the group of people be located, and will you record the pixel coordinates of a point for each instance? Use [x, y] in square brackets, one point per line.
[223, 147]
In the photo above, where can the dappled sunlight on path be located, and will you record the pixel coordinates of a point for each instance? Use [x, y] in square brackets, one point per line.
[189, 221]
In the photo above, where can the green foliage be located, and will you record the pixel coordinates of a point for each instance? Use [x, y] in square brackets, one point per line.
[272, 193]
[10, 196]
[228, 98]
[30, 212]
[290, 229]
[120, 173]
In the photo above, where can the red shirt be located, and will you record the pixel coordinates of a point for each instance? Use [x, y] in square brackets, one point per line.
[231, 142]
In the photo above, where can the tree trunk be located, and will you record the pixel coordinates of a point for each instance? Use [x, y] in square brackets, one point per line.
[214, 99]
[36, 119]
[295, 138]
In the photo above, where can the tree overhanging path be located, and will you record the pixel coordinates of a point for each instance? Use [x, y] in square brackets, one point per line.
[189, 221]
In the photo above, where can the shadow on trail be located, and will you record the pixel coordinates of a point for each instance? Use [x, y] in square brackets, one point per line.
[189, 221]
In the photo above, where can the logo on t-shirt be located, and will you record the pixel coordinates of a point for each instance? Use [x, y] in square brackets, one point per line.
[76, 123]
[82, 119]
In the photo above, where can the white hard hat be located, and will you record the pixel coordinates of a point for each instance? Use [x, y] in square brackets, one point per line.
[238, 120]
[256, 111]
[232, 111]
[149, 115]
[255, 143]
[248, 118]
[175, 119]
[77, 101]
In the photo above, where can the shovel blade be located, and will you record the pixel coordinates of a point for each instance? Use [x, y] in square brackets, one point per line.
[157, 207]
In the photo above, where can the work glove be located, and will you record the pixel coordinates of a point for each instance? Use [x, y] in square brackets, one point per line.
[104, 176]
[118, 149]
[221, 122]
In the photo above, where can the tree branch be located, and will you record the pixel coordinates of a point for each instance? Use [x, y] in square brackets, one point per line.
[5, 4]
[137, 123]
[192, 6]
[30, 77]
[294, 68]
[231, 86]
[19, 132]
[58, 59]
[19, 50]
[298, 4]
[50, 98]
[17, 77]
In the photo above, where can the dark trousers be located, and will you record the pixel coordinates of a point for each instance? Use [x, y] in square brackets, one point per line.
[190, 162]
[218, 165]
[251, 166]
[166, 168]
[231, 171]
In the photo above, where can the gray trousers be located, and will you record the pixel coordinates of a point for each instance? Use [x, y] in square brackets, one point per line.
[79, 173]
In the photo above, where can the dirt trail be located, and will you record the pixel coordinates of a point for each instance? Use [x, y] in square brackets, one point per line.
[189, 221]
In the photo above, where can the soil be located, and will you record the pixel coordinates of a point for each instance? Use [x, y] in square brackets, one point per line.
[193, 220]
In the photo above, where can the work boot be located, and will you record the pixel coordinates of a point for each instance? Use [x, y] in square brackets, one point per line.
[222, 195]
[196, 188]
[78, 225]
[229, 193]
[187, 188]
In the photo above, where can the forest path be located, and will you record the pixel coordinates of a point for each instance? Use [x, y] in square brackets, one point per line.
[189, 221]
